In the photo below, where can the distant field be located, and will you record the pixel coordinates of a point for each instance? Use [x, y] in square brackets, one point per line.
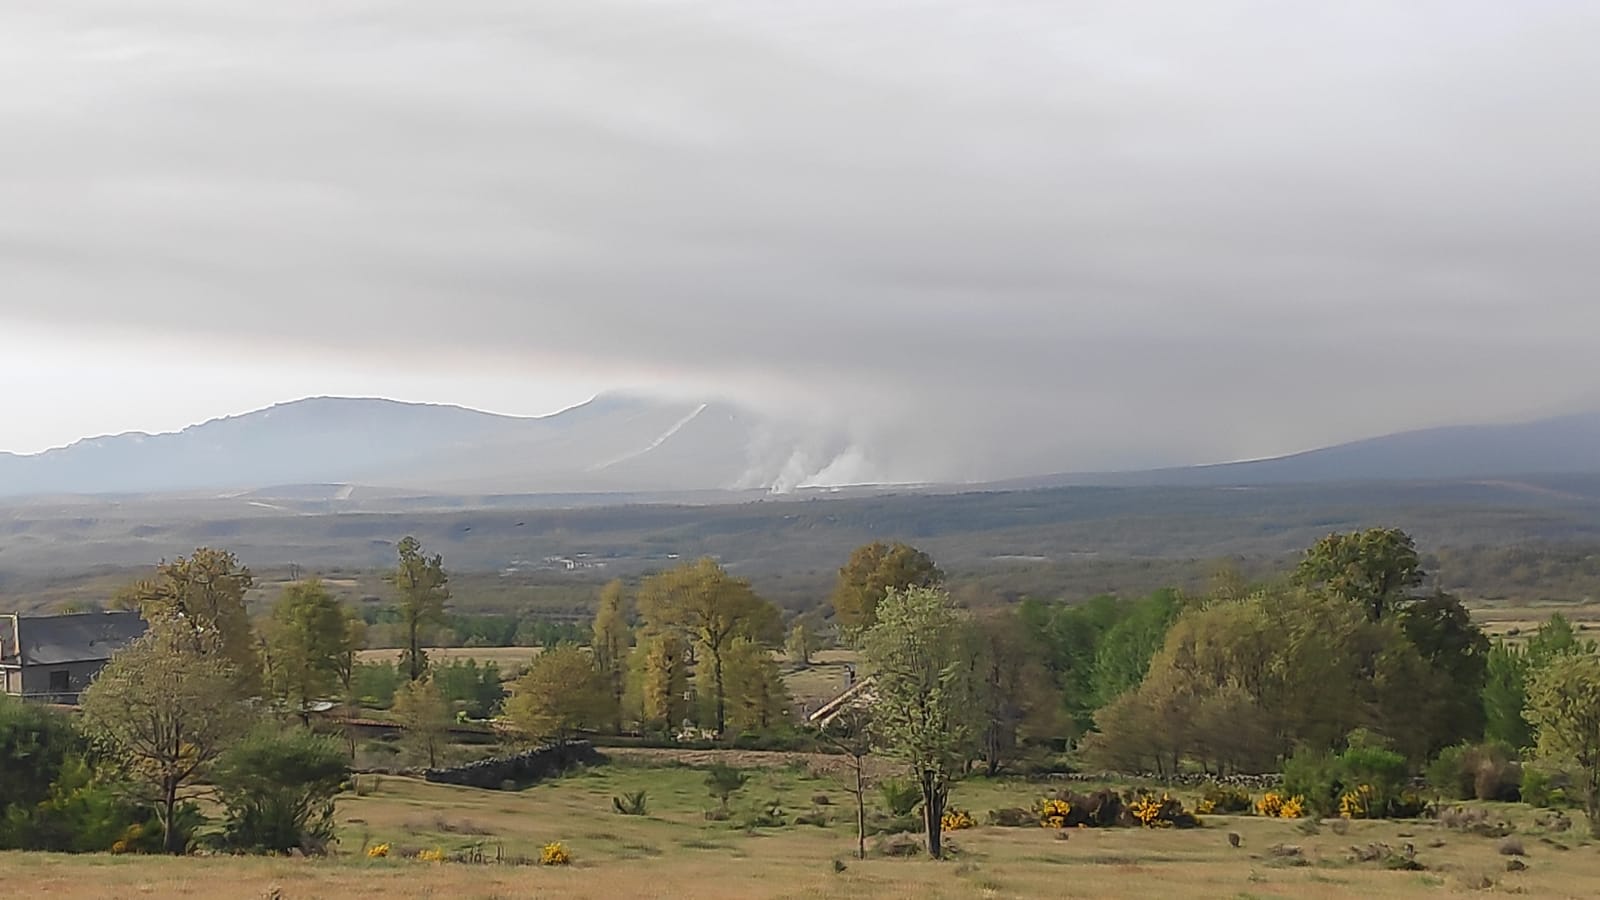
[676, 852]
[504, 657]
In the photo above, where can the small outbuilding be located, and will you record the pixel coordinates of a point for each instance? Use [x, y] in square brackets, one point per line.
[51, 659]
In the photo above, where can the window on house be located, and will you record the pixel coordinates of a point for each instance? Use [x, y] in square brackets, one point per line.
[60, 681]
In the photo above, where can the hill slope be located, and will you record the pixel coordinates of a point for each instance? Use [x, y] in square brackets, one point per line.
[612, 443]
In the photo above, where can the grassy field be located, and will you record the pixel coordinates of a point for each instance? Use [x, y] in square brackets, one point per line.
[507, 658]
[676, 852]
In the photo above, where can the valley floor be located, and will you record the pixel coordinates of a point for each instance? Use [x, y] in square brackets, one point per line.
[676, 852]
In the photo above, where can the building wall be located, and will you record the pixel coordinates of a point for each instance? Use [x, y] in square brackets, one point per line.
[36, 680]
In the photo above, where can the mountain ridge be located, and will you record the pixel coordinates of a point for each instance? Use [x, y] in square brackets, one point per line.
[634, 444]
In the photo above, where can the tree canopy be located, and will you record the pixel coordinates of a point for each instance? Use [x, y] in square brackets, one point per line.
[871, 572]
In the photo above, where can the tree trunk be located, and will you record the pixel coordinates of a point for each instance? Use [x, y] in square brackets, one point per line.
[861, 808]
[933, 799]
[169, 810]
[716, 674]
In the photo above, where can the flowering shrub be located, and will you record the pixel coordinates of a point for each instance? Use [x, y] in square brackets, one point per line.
[1274, 805]
[434, 855]
[1357, 804]
[377, 851]
[1053, 813]
[956, 820]
[1147, 810]
[1163, 812]
[554, 855]
[1220, 799]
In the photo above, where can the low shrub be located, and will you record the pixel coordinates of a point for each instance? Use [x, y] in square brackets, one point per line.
[956, 819]
[631, 804]
[554, 854]
[1053, 813]
[1017, 817]
[1165, 811]
[1274, 805]
[1225, 799]
[900, 797]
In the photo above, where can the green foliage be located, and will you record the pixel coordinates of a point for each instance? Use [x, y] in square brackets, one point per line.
[469, 687]
[1226, 799]
[561, 694]
[1508, 670]
[1383, 770]
[1448, 774]
[207, 590]
[35, 743]
[757, 699]
[308, 645]
[1505, 695]
[636, 803]
[611, 639]
[1564, 709]
[1122, 657]
[900, 797]
[88, 813]
[374, 683]
[925, 711]
[277, 786]
[420, 707]
[723, 781]
[1316, 775]
[421, 582]
[1441, 630]
[874, 570]
[166, 707]
[1016, 700]
[710, 608]
[1373, 568]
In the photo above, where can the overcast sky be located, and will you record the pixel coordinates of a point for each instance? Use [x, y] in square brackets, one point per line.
[983, 235]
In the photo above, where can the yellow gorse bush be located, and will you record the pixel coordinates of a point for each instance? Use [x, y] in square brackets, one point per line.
[1147, 810]
[1274, 805]
[1356, 804]
[955, 820]
[554, 855]
[1053, 813]
[434, 855]
[1206, 807]
[377, 851]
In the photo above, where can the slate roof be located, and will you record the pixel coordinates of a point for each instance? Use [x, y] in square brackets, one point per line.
[59, 640]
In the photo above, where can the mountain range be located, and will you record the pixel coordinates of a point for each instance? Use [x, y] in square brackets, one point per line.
[635, 444]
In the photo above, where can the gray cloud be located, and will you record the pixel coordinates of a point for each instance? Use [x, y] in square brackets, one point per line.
[989, 237]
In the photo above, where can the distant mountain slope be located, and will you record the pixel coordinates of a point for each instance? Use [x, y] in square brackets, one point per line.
[612, 443]
[626, 444]
[1558, 446]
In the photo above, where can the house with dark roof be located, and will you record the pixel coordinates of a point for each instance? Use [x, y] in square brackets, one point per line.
[53, 658]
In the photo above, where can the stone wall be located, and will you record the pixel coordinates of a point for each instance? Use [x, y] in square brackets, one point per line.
[521, 770]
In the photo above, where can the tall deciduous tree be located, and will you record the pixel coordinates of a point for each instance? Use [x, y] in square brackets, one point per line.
[924, 709]
[871, 572]
[612, 640]
[1564, 709]
[562, 693]
[1508, 669]
[207, 590]
[166, 707]
[1012, 690]
[1375, 568]
[421, 580]
[708, 606]
[757, 698]
[308, 644]
[664, 680]
[1443, 632]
